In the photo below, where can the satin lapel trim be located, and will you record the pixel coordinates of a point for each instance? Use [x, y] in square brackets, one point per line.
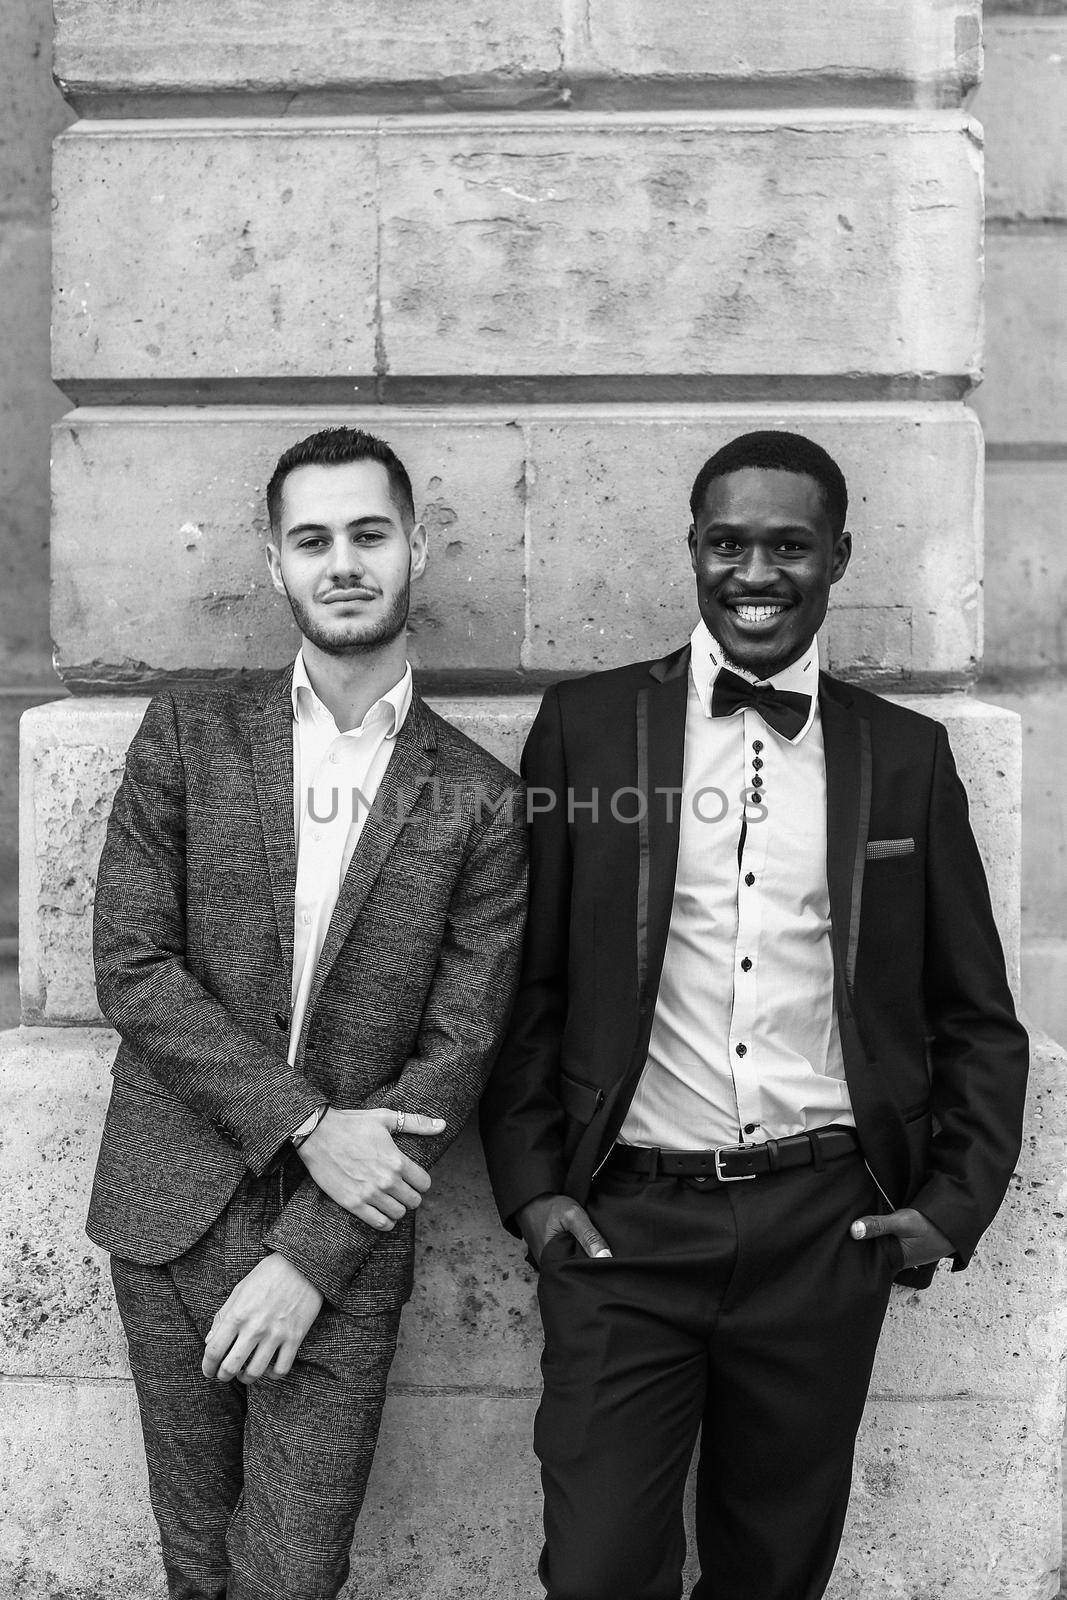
[271, 739]
[661, 726]
[847, 747]
[412, 766]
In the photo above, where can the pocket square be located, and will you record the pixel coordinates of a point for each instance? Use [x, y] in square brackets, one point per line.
[882, 849]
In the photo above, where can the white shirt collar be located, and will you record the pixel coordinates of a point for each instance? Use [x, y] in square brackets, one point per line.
[706, 662]
[394, 704]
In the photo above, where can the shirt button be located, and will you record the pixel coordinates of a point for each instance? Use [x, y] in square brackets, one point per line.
[750, 1127]
[757, 745]
[757, 782]
[742, 1049]
[750, 878]
[746, 965]
[756, 763]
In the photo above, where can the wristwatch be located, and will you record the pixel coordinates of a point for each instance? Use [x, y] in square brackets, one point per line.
[306, 1129]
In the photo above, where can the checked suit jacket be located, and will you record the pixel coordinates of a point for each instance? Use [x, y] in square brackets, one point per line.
[193, 942]
[935, 1060]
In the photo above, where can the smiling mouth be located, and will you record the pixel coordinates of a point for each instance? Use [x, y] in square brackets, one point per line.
[757, 613]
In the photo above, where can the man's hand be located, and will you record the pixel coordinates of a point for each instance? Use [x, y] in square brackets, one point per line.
[352, 1158]
[552, 1214]
[920, 1241]
[262, 1324]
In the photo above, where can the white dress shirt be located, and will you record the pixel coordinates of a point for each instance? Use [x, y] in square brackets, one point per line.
[335, 779]
[745, 1044]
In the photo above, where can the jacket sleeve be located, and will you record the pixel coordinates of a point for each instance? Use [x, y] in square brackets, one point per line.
[521, 1116]
[172, 1023]
[463, 1021]
[979, 1052]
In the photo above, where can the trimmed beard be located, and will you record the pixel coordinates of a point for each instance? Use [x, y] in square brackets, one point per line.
[365, 642]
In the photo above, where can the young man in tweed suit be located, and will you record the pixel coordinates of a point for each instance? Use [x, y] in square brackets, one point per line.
[308, 918]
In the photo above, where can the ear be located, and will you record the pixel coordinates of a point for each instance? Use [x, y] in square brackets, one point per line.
[841, 557]
[418, 544]
[693, 541]
[274, 566]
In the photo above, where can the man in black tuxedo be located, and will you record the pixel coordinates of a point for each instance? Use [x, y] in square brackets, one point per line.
[764, 1060]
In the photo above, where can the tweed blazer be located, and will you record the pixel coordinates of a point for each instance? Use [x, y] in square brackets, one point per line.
[935, 1060]
[193, 942]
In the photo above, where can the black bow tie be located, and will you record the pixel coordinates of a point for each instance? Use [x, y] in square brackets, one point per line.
[780, 709]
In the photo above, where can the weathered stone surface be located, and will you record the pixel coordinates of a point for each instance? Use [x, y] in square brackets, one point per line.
[31, 112]
[1025, 567]
[57, 1315]
[29, 403]
[76, 1523]
[177, 494]
[12, 705]
[512, 250]
[706, 246]
[205, 252]
[72, 755]
[1022, 106]
[486, 52]
[1045, 983]
[609, 575]
[1023, 400]
[1042, 709]
[956, 1484]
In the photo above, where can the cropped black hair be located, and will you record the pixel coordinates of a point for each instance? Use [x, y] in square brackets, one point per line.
[778, 451]
[337, 447]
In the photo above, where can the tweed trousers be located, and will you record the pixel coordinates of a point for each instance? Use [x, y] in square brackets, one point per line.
[256, 1489]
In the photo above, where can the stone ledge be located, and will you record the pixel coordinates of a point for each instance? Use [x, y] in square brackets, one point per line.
[533, 563]
[500, 248]
[72, 759]
[489, 53]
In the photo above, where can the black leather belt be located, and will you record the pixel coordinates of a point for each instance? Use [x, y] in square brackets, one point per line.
[733, 1163]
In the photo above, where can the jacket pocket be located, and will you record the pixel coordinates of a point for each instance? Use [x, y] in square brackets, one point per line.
[580, 1100]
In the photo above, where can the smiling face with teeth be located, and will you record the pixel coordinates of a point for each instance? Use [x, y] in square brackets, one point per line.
[765, 554]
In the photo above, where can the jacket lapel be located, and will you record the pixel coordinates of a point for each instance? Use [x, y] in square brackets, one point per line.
[847, 746]
[660, 754]
[412, 766]
[271, 738]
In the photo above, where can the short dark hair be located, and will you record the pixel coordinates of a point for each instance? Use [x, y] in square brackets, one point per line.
[778, 451]
[336, 447]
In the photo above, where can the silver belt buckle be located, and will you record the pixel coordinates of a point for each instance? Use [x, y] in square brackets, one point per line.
[726, 1177]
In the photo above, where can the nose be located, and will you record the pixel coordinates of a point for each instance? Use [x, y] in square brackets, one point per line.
[756, 568]
[346, 561]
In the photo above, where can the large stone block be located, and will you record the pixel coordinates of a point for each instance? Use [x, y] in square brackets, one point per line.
[706, 246]
[957, 1470]
[1022, 106]
[672, 247]
[1023, 401]
[72, 757]
[31, 112]
[201, 251]
[1025, 567]
[609, 575]
[485, 52]
[12, 705]
[159, 526]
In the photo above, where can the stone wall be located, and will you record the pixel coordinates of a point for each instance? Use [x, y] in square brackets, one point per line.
[1023, 407]
[556, 255]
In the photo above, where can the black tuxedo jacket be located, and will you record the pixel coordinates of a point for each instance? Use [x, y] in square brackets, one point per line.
[935, 1059]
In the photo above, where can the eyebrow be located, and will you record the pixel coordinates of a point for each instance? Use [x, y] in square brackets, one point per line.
[382, 519]
[741, 527]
